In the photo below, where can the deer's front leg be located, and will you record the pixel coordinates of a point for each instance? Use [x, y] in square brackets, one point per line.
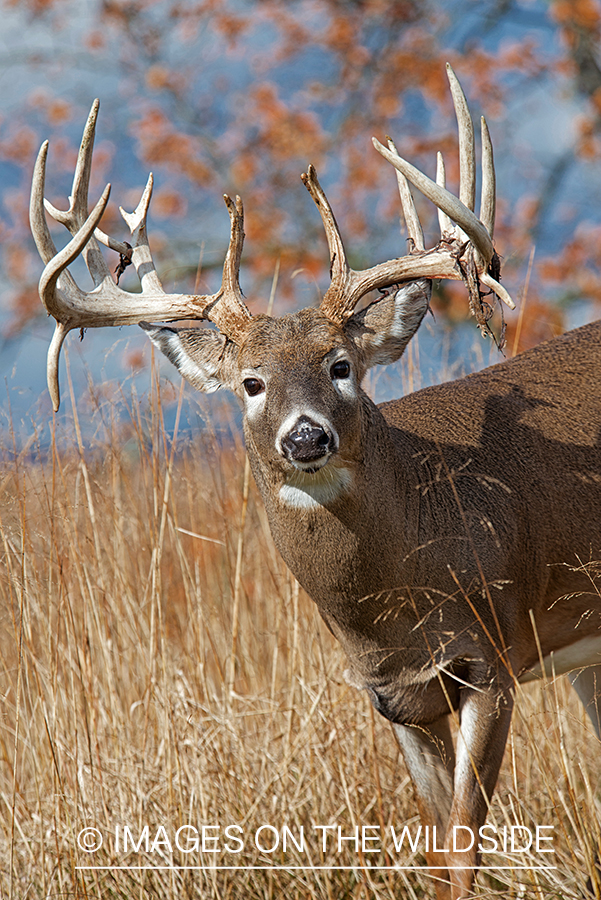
[447, 802]
[485, 716]
[430, 759]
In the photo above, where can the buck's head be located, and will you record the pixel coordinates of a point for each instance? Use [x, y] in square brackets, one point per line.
[298, 376]
[299, 380]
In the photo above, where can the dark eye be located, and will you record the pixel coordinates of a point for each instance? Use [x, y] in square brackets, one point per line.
[253, 386]
[341, 369]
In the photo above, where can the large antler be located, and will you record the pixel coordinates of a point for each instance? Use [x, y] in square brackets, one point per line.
[465, 251]
[108, 304]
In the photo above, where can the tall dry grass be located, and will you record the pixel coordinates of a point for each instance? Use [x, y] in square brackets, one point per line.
[160, 667]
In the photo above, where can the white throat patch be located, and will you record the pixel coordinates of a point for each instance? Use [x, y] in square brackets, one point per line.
[305, 490]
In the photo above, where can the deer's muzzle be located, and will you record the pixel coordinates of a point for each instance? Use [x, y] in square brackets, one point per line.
[307, 442]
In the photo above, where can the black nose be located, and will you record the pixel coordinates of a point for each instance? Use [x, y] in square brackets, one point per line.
[306, 442]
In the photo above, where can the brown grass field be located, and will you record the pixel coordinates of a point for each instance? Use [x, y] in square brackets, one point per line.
[159, 667]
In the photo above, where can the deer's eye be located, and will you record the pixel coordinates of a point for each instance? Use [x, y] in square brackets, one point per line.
[253, 386]
[341, 369]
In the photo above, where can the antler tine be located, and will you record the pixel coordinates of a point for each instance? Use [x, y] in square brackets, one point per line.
[414, 226]
[56, 268]
[467, 152]
[37, 218]
[227, 308]
[489, 192]
[336, 302]
[74, 217]
[54, 352]
[444, 223]
[140, 254]
[231, 266]
[488, 208]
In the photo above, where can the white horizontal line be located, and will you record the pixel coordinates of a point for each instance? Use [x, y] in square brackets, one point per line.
[324, 868]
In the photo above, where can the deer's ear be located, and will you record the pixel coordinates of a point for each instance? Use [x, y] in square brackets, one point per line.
[202, 356]
[382, 330]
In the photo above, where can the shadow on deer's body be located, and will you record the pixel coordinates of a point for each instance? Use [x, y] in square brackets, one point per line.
[445, 536]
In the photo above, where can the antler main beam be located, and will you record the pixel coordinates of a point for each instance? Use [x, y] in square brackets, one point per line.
[107, 304]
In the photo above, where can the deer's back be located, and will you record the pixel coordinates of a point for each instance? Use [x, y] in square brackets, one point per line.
[548, 397]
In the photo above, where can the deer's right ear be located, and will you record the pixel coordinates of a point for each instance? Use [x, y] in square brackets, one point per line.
[202, 356]
[382, 330]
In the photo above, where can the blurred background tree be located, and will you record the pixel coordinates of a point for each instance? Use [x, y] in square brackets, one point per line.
[238, 96]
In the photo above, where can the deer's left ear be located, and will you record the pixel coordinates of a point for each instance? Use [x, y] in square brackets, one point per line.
[203, 356]
[382, 330]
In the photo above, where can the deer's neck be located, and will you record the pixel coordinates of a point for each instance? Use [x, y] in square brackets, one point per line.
[348, 548]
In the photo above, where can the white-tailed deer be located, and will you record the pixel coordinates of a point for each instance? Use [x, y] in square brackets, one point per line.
[446, 537]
